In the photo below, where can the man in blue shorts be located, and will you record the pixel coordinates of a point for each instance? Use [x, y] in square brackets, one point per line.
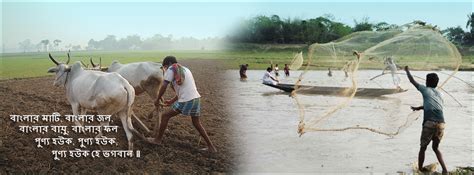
[186, 102]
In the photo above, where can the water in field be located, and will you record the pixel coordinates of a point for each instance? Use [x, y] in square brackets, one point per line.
[266, 121]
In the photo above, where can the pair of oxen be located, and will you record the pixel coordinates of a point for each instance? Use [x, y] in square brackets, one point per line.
[109, 90]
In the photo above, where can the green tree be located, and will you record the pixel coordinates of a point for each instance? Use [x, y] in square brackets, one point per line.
[470, 22]
[455, 34]
[383, 26]
[363, 25]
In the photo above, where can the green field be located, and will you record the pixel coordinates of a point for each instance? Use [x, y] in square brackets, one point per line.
[22, 65]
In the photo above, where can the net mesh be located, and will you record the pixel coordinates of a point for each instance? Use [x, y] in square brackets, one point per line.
[297, 61]
[359, 62]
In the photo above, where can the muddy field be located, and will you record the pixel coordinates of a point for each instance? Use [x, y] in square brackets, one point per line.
[180, 152]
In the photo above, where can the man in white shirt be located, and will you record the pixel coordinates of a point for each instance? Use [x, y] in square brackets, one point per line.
[186, 101]
[390, 64]
[268, 78]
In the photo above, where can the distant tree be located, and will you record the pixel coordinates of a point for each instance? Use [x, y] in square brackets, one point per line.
[157, 42]
[56, 43]
[339, 30]
[39, 47]
[329, 16]
[45, 44]
[292, 31]
[187, 43]
[26, 45]
[130, 42]
[470, 22]
[76, 47]
[455, 34]
[469, 36]
[382, 26]
[363, 25]
[109, 43]
[92, 45]
[263, 29]
[68, 47]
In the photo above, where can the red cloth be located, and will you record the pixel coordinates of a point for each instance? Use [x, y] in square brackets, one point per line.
[178, 72]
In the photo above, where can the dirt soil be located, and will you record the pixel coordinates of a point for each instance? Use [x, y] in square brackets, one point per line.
[179, 153]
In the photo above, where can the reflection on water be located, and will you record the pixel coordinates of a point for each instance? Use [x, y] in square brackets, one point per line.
[266, 120]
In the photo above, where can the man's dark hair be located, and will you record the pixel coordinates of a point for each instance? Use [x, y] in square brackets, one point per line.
[432, 80]
[269, 69]
[169, 60]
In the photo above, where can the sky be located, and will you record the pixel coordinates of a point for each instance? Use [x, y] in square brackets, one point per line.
[77, 22]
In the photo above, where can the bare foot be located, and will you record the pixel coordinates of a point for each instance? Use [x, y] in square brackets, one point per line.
[153, 141]
[424, 169]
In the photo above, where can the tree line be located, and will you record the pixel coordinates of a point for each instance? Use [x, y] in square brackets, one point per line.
[260, 29]
[131, 42]
[460, 37]
[273, 29]
[45, 45]
[156, 42]
[323, 29]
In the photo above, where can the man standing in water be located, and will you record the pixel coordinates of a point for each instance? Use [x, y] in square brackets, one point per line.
[276, 70]
[346, 68]
[287, 70]
[186, 102]
[390, 64]
[433, 119]
[243, 71]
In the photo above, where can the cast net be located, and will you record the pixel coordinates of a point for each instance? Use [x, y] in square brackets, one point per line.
[358, 82]
[297, 61]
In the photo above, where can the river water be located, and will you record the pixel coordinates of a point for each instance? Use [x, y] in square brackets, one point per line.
[266, 121]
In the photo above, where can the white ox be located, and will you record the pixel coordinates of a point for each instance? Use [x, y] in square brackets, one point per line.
[106, 93]
[143, 76]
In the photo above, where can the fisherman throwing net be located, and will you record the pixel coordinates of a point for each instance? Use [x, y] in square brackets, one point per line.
[356, 98]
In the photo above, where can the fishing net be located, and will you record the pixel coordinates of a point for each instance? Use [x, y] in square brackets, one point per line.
[363, 88]
[297, 61]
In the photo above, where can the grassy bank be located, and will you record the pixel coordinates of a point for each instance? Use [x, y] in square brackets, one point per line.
[21, 65]
[260, 57]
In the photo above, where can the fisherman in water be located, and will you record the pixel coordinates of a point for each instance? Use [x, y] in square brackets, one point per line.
[433, 117]
[390, 64]
[243, 71]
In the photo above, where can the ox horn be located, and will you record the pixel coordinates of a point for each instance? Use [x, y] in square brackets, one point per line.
[68, 58]
[84, 64]
[52, 59]
[93, 65]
